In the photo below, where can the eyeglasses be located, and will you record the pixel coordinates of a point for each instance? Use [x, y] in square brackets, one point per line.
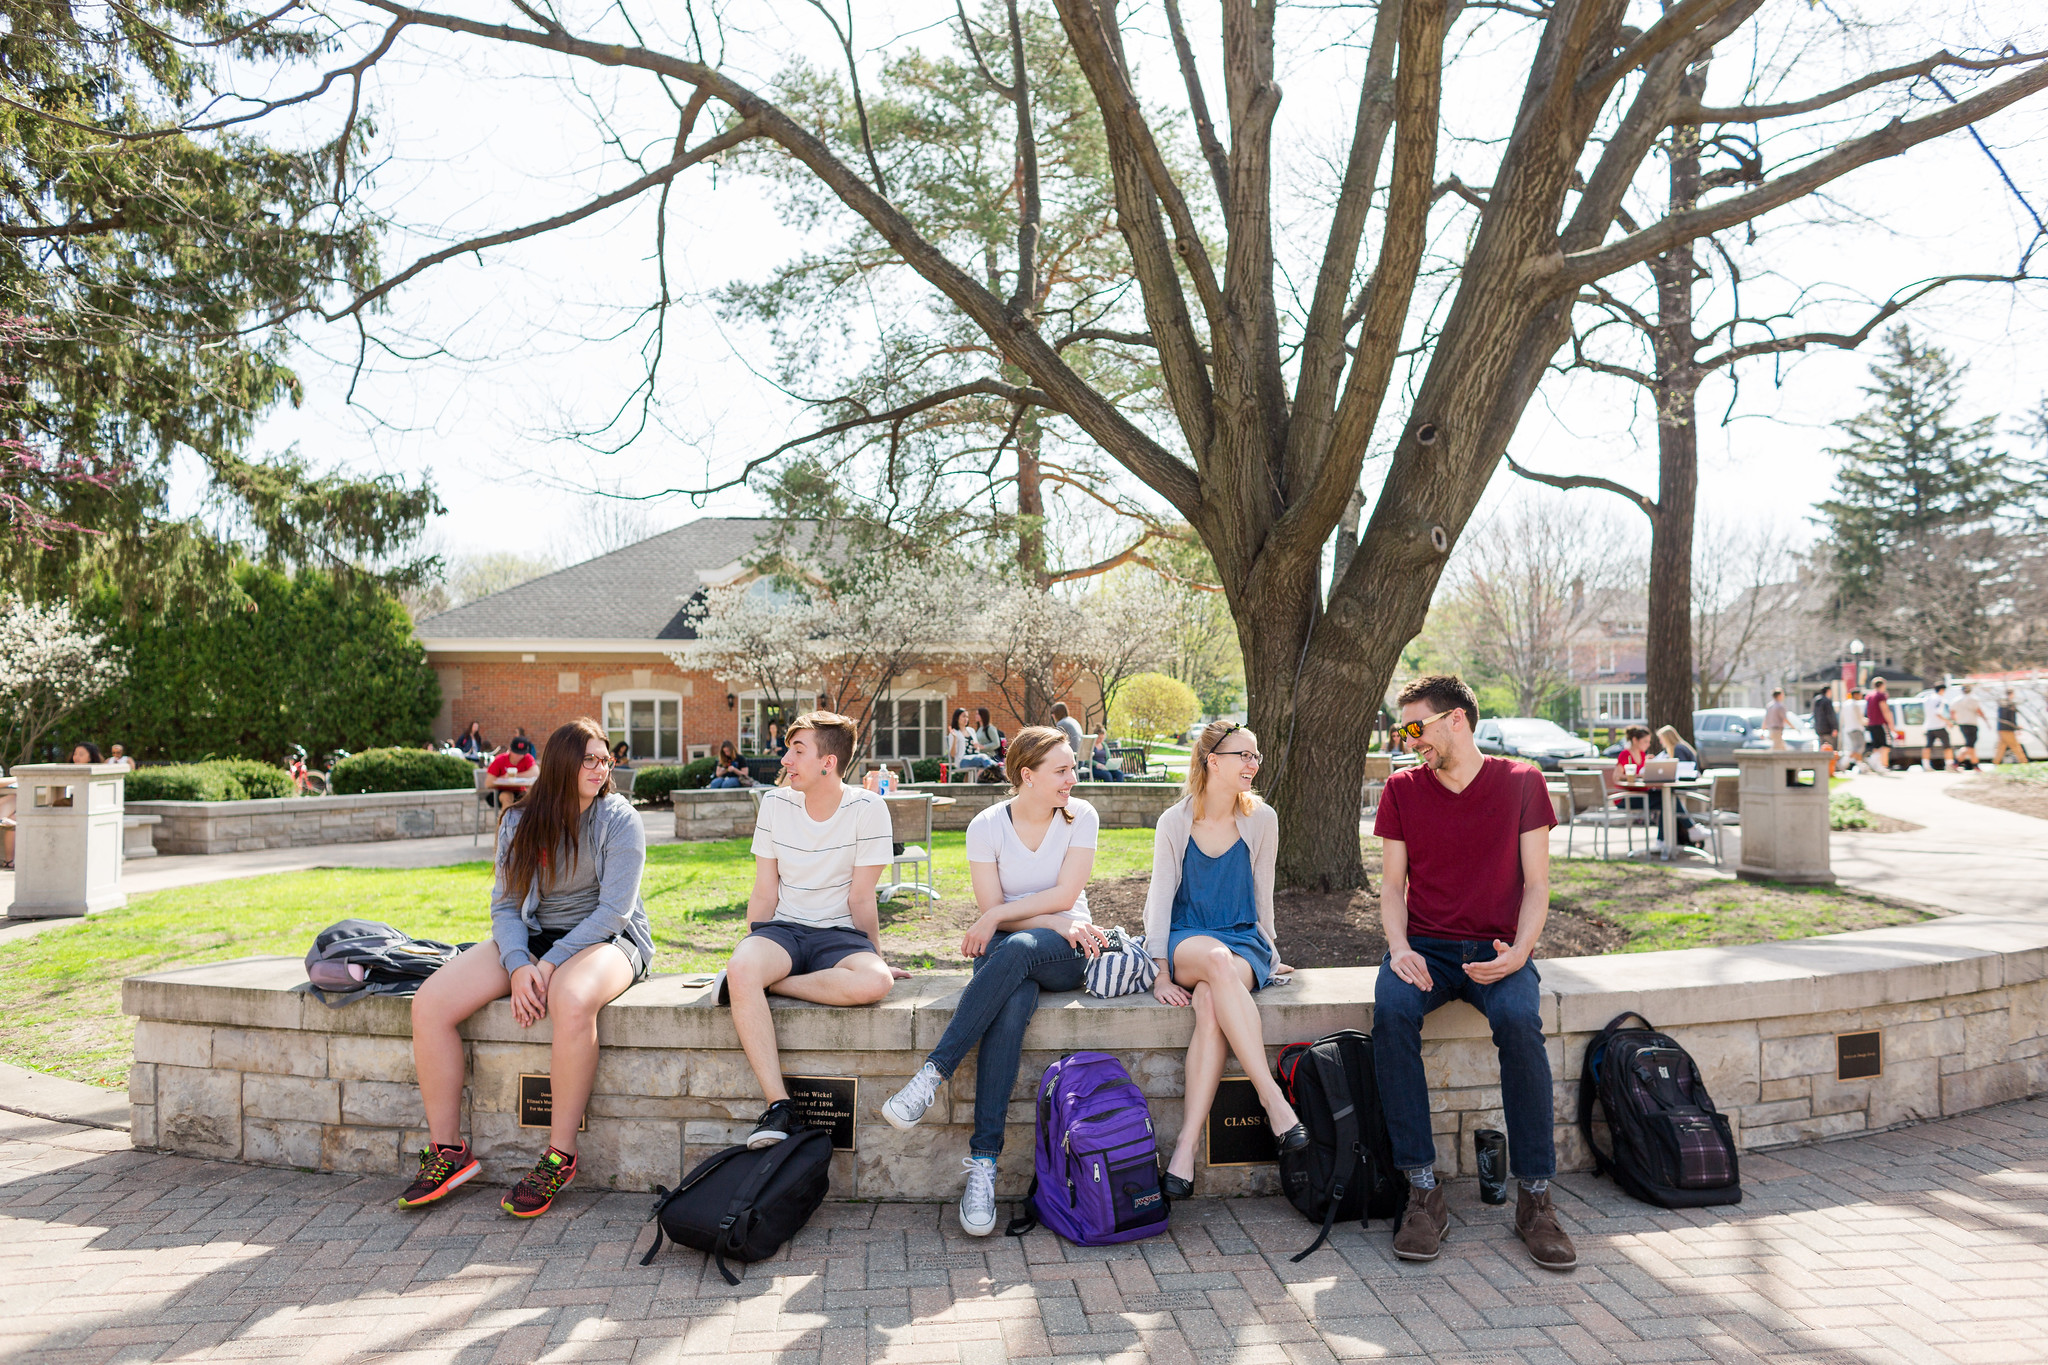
[1251, 756]
[1412, 730]
[592, 762]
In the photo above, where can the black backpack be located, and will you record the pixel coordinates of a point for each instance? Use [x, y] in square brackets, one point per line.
[745, 1203]
[391, 961]
[1347, 1169]
[1671, 1146]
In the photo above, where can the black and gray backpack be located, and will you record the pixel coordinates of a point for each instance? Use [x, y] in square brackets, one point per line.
[744, 1203]
[1347, 1168]
[355, 958]
[1671, 1147]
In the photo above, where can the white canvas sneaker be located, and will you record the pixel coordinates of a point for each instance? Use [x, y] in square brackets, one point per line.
[904, 1108]
[978, 1204]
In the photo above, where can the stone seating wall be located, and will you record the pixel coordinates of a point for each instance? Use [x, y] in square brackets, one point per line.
[299, 821]
[232, 1062]
[728, 813]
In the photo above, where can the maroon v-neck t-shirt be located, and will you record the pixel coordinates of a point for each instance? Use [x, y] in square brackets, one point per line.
[1465, 848]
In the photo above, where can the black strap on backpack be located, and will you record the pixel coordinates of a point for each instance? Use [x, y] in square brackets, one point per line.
[1028, 1219]
[1336, 1083]
[1589, 1086]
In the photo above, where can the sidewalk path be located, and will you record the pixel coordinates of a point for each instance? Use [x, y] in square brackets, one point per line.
[1971, 858]
[1921, 1246]
[167, 870]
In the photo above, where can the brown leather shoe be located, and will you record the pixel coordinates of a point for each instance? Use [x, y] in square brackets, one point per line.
[1536, 1225]
[1424, 1225]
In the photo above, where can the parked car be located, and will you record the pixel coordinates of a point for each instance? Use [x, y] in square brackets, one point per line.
[1542, 742]
[1720, 732]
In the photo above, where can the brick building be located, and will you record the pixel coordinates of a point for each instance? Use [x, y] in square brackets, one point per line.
[599, 639]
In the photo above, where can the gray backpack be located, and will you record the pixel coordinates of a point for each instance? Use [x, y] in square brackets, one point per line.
[355, 958]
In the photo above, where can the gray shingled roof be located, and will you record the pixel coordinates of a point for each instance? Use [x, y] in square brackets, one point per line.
[630, 594]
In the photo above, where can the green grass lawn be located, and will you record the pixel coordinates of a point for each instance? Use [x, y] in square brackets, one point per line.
[1661, 909]
[60, 991]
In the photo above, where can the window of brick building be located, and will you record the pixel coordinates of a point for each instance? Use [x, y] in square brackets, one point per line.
[910, 727]
[649, 722]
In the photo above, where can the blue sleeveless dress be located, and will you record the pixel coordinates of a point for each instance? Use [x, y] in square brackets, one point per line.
[1216, 898]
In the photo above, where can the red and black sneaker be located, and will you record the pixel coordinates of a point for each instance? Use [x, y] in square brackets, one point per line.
[537, 1189]
[442, 1169]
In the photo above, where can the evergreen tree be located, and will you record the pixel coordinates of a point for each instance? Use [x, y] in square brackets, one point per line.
[1918, 501]
[146, 236]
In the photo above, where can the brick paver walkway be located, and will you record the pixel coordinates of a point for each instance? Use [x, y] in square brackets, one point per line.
[1924, 1245]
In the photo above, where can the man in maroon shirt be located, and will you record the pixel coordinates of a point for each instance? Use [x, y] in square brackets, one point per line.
[1464, 893]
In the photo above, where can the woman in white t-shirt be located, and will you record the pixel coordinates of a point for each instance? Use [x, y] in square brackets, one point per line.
[1030, 857]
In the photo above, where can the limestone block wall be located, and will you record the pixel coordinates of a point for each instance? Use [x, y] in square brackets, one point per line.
[231, 1062]
[300, 821]
[729, 813]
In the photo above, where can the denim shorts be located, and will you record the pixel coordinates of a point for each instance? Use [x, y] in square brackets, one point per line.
[539, 941]
[813, 948]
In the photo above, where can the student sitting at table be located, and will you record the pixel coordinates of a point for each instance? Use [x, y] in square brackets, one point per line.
[1101, 762]
[509, 764]
[730, 772]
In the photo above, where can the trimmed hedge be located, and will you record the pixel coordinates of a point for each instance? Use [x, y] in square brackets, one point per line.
[400, 770]
[225, 779]
[925, 770]
[654, 784]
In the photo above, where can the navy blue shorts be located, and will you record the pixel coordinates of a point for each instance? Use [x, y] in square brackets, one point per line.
[812, 948]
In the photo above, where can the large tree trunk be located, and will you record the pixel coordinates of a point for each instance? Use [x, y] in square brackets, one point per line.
[1667, 645]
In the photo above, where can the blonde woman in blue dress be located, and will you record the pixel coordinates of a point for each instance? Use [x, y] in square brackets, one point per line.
[1209, 924]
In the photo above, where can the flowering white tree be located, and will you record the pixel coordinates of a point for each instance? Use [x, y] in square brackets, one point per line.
[50, 664]
[1128, 631]
[1030, 643]
[770, 641]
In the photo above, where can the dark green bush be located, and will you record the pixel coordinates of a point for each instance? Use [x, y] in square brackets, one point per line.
[223, 779]
[925, 770]
[302, 660]
[400, 770]
[654, 784]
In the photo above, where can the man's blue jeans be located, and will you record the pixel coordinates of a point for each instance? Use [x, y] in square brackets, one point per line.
[1513, 1006]
[994, 1011]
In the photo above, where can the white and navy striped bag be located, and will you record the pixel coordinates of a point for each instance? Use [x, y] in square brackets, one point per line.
[1123, 968]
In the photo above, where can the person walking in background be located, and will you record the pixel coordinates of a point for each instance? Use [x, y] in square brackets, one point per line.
[2008, 730]
[1776, 718]
[1825, 726]
[1877, 718]
[1464, 892]
[1209, 927]
[1939, 719]
[1969, 718]
[569, 934]
[1030, 858]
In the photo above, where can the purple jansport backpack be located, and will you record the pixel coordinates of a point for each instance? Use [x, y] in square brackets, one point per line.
[1097, 1166]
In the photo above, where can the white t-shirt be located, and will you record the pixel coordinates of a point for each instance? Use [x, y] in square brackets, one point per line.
[992, 838]
[956, 745]
[815, 859]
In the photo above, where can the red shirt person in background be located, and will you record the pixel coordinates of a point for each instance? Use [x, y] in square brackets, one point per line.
[1464, 894]
[1877, 715]
[508, 764]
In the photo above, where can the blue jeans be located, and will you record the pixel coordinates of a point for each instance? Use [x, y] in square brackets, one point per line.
[1513, 1006]
[723, 782]
[976, 761]
[994, 1011]
[1102, 772]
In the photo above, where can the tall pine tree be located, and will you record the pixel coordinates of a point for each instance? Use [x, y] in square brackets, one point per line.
[1914, 523]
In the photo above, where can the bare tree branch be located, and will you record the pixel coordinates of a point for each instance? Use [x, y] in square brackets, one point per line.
[1028, 206]
[1849, 341]
[1205, 130]
[1679, 22]
[1696, 112]
[860, 106]
[1569, 481]
[974, 48]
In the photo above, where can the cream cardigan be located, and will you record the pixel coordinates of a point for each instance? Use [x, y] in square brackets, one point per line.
[1261, 834]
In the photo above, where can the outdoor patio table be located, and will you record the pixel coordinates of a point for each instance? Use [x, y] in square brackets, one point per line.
[1670, 802]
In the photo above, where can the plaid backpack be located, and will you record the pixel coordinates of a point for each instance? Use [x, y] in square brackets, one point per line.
[1671, 1146]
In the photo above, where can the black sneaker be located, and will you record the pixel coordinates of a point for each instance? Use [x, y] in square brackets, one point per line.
[780, 1120]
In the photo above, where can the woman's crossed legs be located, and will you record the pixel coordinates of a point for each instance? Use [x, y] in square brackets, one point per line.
[576, 991]
[1226, 1022]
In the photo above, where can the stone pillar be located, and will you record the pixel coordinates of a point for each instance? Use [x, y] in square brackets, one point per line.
[1784, 817]
[67, 839]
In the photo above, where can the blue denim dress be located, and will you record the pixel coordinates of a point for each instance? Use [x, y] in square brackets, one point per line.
[1216, 898]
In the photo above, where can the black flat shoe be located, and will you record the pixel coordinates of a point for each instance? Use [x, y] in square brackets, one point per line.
[1175, 1186]
[1294, 1139]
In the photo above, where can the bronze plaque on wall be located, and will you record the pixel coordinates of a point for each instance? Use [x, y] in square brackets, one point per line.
[1858, 1056]
[1239, 1134]
[827, 1102]
[537, 1103]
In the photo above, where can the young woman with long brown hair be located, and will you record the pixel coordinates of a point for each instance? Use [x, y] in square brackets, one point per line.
[568, 936]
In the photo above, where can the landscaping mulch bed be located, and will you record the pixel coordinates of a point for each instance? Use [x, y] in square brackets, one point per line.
[2006, 793]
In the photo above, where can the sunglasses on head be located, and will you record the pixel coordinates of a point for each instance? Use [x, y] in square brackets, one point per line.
[1412, 730]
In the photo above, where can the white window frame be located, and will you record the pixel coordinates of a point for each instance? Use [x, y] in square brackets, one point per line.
[923, 696]
[625, 698]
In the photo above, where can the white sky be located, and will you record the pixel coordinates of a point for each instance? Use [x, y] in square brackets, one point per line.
[488, 359]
